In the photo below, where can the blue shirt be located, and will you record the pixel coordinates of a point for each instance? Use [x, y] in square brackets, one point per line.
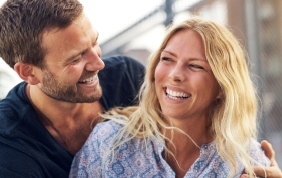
[133, 159]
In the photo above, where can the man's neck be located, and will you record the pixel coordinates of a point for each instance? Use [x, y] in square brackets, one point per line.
[69, 123]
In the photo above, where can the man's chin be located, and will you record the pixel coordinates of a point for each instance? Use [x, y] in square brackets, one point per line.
[85, 100]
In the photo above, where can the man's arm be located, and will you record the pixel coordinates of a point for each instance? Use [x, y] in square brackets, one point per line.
[270, 172]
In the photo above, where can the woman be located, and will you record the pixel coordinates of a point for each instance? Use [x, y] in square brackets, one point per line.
[196, 117]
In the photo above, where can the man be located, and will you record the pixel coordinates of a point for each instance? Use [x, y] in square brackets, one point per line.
[46, 119]
[269, 172]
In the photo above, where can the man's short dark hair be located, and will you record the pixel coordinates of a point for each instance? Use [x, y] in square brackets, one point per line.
[23, 23]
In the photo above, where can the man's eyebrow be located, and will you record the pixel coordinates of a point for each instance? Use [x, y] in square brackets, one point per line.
[77, 53]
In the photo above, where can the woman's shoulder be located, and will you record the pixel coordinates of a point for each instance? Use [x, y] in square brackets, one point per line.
[109, 126]
[256, 152]
[105, 130]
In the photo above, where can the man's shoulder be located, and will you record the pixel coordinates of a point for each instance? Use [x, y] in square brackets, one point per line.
[121, 66]
[13, 109]
[123, 61]
[120, 80]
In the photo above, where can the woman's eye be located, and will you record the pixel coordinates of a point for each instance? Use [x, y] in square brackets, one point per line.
[196, 67]
[166, 59]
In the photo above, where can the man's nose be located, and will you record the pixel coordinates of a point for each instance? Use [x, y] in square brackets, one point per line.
[94, 61]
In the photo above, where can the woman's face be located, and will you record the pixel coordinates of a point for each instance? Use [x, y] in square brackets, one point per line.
[184, 82]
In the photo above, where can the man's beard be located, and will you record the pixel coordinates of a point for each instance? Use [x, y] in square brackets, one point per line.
[66, 92]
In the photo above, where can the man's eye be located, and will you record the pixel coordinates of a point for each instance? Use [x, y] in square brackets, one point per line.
[76, 60]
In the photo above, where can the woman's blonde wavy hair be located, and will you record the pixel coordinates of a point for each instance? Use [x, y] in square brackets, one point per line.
[233, 117]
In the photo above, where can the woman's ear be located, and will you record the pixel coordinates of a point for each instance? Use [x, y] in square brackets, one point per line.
[26, 72]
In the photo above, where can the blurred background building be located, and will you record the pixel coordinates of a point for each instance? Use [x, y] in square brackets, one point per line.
[135, 28]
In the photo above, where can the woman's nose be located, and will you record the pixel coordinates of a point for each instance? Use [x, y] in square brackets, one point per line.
[177, 73]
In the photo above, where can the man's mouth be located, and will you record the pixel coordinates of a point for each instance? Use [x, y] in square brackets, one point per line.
[87, 80]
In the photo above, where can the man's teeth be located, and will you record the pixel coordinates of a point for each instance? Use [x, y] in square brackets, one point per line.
[90, 79]
[176, 94]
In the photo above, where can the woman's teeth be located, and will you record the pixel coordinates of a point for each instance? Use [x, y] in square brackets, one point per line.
[176, 94]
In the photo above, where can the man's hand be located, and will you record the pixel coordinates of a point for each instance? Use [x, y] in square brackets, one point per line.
[270, 172]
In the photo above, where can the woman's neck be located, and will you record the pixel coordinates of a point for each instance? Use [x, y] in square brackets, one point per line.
[183, 147]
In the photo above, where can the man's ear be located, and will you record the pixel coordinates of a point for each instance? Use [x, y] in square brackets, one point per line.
[26, 72]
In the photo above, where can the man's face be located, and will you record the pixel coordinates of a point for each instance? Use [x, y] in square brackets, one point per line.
[72, 62]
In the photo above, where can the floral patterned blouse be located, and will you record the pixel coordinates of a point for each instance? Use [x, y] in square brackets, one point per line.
[133, 159]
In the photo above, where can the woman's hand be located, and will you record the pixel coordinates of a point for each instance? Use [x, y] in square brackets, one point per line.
[267, 172]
